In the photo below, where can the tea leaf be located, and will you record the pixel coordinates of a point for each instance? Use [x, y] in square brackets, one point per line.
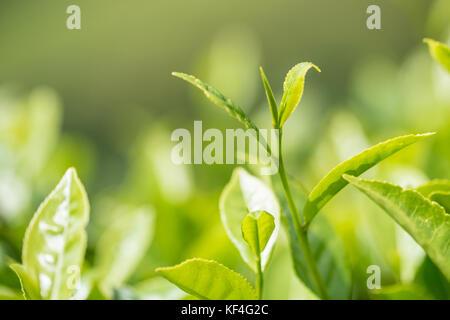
[243, 194]
[329, 253]
[401, 292]
[55, 240]
[426, 221]
[333, 182]
[208, 279]
[326, 246]
[432, 279]
[293, 90]
[440, 52]
[29, 287]
[433, 186]
[219, 99]
[257, 228]
[443, 198]
[270, 99]
[122, 246]
[10, 294]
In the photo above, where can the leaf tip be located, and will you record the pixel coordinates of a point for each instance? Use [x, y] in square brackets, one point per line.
[349, 177]
[429, 41]
[315, 67]
[426, 134]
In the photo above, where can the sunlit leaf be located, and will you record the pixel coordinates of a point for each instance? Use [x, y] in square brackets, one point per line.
[293, 90]
[436, 185]
[55, 241]
[244, 194]
[440, 52]
[270, 99]
[426, 221]
[219, 99]
[257, 229]
[208, 279]
[122, 246]
[333, 182]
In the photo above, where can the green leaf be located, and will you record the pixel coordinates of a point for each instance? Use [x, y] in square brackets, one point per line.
[333, 182]
[257, 229]
[440, 52]
[10, 294]
[55, 241]
[429, 277]
[208, 279]
[426, 221]
[122, 246]
[293, 90]
[326, 246]
[29, 287]
[433, 186]
[243, 194]
[401, 292]
[443, 198]
[270, 99]
[219, 99]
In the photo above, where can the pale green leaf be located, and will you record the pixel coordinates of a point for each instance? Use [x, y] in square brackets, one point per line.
[270, 99]
[440, 52]
[333, 182]
[243, 194]
[122, 246]
[55, 240]
[219, 99]
[437, 185]
[426, 221]
[293, 90]
[257, 229]
[208, 279]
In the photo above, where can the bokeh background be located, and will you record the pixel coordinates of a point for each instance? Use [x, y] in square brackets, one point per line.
[102, 99]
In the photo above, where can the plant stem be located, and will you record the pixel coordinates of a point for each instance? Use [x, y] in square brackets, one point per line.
[301, 233]
[259, 278]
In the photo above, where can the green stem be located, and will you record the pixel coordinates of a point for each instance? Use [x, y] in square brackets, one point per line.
[301, 233]
[259, 278]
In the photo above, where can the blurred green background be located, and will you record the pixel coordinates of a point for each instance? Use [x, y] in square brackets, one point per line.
[102, 99]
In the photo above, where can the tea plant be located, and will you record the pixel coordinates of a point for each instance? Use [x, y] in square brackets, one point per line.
[252, 213]
[423, 216]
